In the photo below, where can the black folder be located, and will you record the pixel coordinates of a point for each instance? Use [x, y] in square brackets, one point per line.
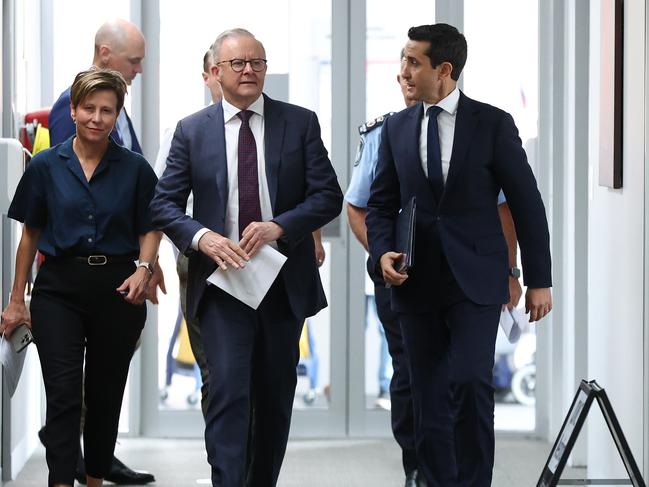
[405, 234]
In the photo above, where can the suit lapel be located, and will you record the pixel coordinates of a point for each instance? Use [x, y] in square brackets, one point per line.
[216, 128]
[274, 127]
[466, 121]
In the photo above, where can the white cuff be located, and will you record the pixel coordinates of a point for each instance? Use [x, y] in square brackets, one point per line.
[197, 237]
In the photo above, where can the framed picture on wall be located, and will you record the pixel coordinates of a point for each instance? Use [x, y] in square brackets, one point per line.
[610, 121]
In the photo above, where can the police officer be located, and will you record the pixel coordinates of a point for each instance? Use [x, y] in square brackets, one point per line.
[356, 197]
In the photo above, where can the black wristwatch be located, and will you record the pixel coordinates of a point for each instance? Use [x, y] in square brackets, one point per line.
[514, 272]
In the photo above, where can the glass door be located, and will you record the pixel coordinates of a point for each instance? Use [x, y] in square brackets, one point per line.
[518, 94]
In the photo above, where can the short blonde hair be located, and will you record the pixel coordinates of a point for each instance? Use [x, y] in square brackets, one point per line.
[97, 79]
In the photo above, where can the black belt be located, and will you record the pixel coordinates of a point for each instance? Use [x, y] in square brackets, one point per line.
[97, 259]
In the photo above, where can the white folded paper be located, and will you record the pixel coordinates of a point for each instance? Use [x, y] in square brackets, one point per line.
[250, 284]
[12, 364]
[513, 322]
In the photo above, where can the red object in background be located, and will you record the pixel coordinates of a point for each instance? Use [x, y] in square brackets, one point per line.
[28, 128]
[26, 138]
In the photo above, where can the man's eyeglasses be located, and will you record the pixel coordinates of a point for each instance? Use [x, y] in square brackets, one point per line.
[239, 65]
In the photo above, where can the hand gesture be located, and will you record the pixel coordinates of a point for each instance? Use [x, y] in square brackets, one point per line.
[389, 261]
[223, 251]
[157, 281]
[538, 302]
[135, 288]
[257, 234]
[515, 293]
[14, 314]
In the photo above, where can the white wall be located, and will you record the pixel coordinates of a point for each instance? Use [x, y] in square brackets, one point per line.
[616, 257]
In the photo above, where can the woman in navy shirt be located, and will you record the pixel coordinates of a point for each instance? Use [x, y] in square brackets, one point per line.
[85, 205]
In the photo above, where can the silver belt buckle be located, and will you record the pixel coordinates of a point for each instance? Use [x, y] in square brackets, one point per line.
[97, 260]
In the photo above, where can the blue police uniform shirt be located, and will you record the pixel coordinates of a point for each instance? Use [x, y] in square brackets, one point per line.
[358, 191]
[105, 215]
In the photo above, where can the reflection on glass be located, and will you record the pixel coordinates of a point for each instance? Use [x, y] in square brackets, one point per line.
[387, 34]
[378, 364]
[314, 367]
[516, 93]
[179, 379]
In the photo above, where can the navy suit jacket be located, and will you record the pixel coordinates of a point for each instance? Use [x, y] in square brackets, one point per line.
[303, 187]
[463, 225]
[62, 127]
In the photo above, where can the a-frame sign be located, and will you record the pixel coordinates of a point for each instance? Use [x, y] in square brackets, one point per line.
[587, 392]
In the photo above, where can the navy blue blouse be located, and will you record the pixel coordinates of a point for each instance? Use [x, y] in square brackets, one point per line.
[105, 215]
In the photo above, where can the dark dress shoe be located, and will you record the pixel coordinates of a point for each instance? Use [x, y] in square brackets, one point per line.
[120, 474]
[413, 479]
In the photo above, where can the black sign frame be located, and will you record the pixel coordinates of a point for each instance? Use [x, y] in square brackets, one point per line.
[586, 394]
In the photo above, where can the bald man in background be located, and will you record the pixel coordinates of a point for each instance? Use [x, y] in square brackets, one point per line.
[119, 45]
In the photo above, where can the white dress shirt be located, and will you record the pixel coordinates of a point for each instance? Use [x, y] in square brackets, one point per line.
[232, 125]
[446, 127]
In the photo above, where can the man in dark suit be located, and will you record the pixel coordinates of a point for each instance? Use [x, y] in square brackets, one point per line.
[119, 45]
[454, 154]
[260, 176]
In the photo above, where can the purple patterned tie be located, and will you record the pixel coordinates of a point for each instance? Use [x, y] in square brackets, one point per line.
[249, 206]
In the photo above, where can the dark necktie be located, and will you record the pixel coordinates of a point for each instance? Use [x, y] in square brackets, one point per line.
[249, 206]
[434, 162]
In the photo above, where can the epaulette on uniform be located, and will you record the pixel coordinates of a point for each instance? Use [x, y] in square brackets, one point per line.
[372, 124]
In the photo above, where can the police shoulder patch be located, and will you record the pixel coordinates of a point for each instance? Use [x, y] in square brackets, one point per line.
[359, 151]
[372, 124]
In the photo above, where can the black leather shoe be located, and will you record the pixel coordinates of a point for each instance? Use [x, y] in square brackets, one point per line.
[120, 474]
[413, 479]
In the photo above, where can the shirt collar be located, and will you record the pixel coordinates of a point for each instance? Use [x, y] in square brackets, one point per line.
[66, 151]
[448, 104]
[230, 111]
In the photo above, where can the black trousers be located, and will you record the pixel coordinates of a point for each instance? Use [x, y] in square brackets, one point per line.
[252, 356]
[403, 422]
[451, 356]
[75, 312]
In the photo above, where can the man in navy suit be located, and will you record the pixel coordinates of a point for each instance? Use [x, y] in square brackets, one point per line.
[260, 176]
[119, 45]
[454, 155]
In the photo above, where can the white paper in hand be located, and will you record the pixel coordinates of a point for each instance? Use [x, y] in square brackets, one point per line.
[512, 322]
[12, 363]
[250, 284]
